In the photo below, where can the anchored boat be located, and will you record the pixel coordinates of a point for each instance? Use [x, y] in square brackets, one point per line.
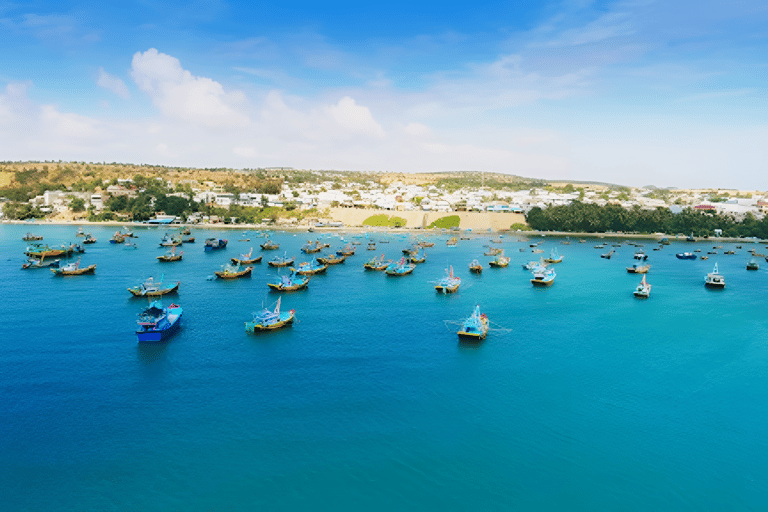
[158, 323]
[268, 320]
[475, 328]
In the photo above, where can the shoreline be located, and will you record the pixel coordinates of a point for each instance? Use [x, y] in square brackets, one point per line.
[375, 229]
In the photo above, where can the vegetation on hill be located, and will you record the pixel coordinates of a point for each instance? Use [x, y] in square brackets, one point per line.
[447, 222]
[591, 218]
[384, 220]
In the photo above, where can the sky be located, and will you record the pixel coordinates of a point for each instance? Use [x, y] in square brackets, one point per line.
[666, 93]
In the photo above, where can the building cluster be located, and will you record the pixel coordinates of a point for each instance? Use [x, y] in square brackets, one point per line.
[400, 196]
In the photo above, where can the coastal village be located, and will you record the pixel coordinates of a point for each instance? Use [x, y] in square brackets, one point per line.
[330, 197]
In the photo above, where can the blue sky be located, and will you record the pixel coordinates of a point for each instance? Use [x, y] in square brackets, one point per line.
[667, 93]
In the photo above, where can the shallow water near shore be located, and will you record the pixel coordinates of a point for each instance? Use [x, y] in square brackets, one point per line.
[581, 398]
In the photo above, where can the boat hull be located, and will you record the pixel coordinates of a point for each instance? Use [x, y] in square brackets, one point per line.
[291, 288]
[542, 282]
[253, 327]
[446, 288]
[234, 275]
[137, 291]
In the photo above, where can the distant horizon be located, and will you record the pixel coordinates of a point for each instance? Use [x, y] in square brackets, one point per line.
[601, 91]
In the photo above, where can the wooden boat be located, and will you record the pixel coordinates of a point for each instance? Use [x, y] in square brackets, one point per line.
[246, 259]
[331, 259]
[214, 244]
[554, 257]
[423, 244]
[267, 320]
[170, 241]
[500, 260]
[347, 250]
[376, 263]
[309, 268]
[150, 288]
[474, 328]
[290, 283]
[714, 279]
[29, 237]
[312, 247]
[41, 263]
[638, 269]
[643, 290]
[89, 239]
[117, 238]
[476, 267]
[400, 268]
[493, 251]
[269, 245]
[171, 256]
[158, 323]
[233, 272]
[752, 264]
[418, 257]
[74, 269]
[448, 284]
[43, 251]
[543, 277]
[607, 255]
[451, 242]
[277, 261]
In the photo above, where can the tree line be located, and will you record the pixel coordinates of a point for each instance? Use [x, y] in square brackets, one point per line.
[592, 218]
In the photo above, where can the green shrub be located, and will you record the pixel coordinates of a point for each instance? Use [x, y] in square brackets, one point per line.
[450, 221]
[521, 227]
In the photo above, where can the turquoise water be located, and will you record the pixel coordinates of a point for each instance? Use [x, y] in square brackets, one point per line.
[581, 398]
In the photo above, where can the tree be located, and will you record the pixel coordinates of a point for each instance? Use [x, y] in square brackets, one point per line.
[77, 204]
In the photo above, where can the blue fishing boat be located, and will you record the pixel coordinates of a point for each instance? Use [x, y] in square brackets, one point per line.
[158, 323]
[268, 320]
[449, 283]
[543, 277]
[400, 268]
[213, 244]
[283, 261]
[474, 328]
[310, 267]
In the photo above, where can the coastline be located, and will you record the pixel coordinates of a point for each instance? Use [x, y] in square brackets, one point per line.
[376, 229]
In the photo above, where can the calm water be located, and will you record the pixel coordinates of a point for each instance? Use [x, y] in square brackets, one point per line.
[583, 398]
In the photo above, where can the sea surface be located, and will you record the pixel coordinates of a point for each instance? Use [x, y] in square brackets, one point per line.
[582, 397]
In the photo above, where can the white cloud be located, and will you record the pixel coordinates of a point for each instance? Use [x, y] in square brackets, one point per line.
[180, 95]
[112, 83]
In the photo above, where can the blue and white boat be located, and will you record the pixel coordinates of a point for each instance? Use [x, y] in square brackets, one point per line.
[212, 244]
[268, 320]
[449, 283]
[543, 277]
[158, 323]
[400, 268]
[474, 328]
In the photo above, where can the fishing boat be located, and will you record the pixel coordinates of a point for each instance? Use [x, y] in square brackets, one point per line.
[29, 237]
[269, 245]
[448, 284]
[752, 264]
[643, 290]
[312, 247]
[290, 283]
[422, 244]
[493, 251]
[543, 277]
[347, 250]
[89, 239]
[685, 256]
[187, 239]
[474, 328]
[128, 233]
[41, 263]
[186, 231]
[400, 268]
[714, 279]
[283, 261]
[158, 323]
[332, 259]
[233, 272]
[500, 260]
[640, 255]
[43, 251]
[376, 263]
[74, 269]
[246, 259]
[418, 257]
[309, 268]
[729, 251]
[554, 257]
[117, 238]
[535, 265]
[607, 255]
[451, 242]
[170, 241]
[152, 288]
[638, 269]
[269, 320]
[171, 255]
[476, 267]
[214, 244]
[664, 241]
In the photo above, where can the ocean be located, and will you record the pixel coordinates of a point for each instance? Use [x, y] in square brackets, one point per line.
[582, 397]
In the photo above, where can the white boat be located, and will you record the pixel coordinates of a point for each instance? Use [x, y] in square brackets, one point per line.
[714, 279]
[543, 277]
[643, 290]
